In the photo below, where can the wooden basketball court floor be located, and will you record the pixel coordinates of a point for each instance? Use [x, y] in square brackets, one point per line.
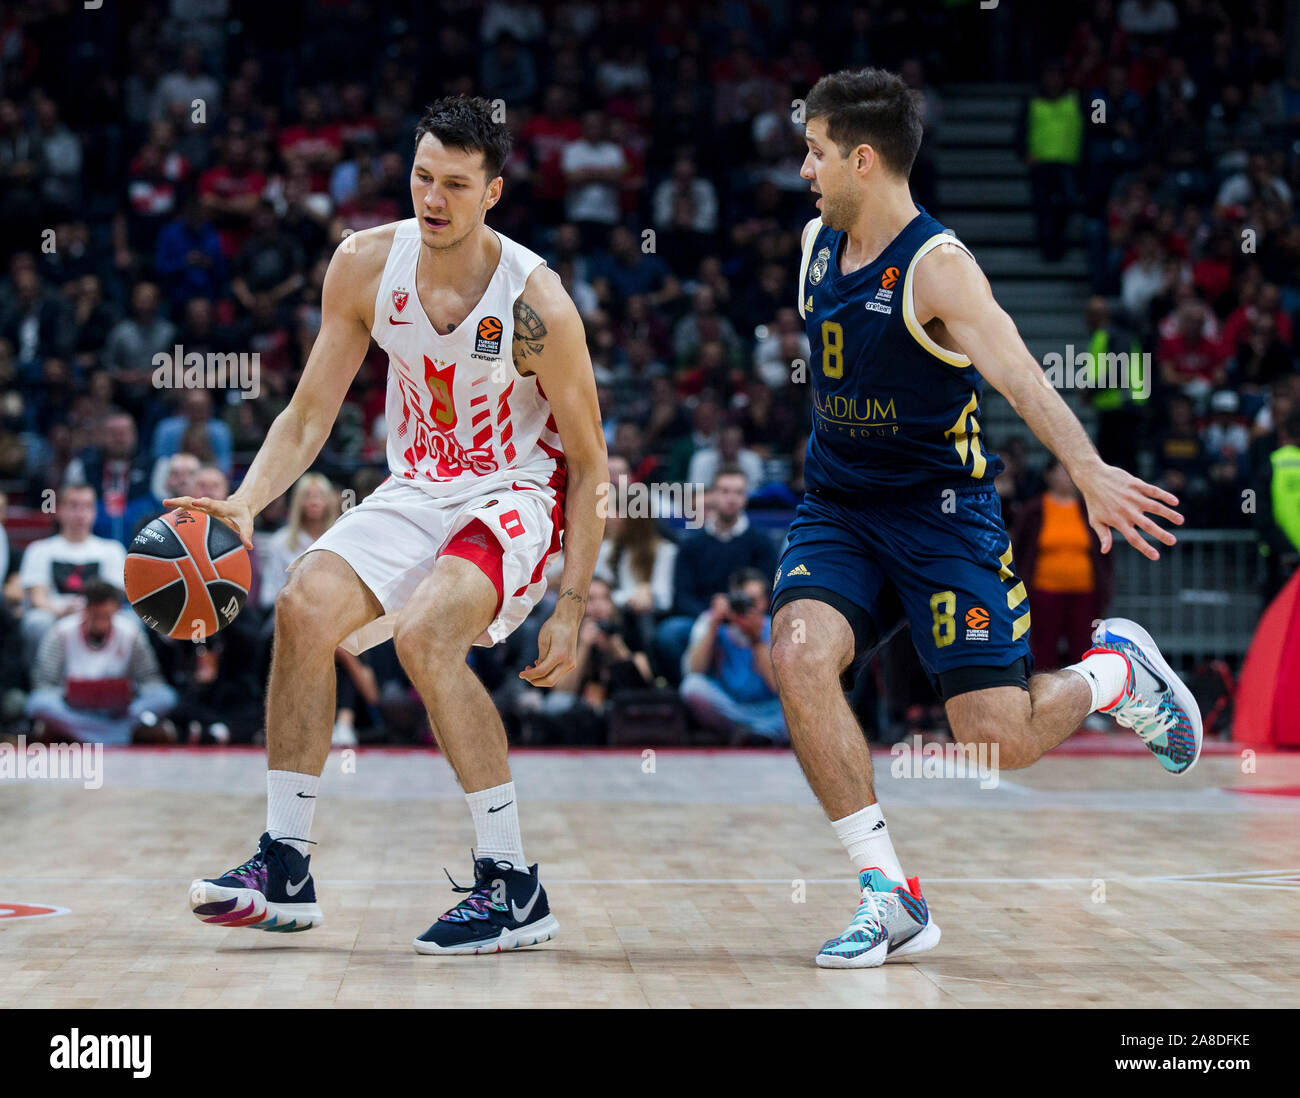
[707, 880]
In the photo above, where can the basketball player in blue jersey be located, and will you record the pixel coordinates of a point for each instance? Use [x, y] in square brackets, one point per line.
[904, 331]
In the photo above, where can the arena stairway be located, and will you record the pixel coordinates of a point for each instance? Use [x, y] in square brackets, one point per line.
[984, 196]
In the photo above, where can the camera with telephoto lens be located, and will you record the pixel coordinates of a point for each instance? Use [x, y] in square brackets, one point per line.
[739, 604]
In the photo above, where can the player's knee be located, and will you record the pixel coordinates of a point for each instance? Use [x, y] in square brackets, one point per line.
[302, 612]
[420, 644]
[806, 660]
[1004, 741]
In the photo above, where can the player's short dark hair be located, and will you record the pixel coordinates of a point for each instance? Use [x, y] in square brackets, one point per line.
[869, 107]
[465, 122]
[100, 591]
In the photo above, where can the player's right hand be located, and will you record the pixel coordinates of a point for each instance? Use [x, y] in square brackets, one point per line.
[234, 513]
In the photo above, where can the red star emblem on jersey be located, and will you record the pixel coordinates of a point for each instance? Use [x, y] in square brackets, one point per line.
[400, 297]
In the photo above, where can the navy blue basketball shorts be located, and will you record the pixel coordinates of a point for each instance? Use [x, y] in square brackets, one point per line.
[947, 558]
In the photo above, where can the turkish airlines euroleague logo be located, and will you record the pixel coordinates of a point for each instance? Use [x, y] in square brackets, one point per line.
[889, 278]
[977, 624]
[489, 336]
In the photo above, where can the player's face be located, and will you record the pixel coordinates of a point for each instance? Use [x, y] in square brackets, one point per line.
[450, 192]
[832, 178]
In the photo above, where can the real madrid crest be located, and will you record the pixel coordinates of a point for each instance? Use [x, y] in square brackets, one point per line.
[818, 269]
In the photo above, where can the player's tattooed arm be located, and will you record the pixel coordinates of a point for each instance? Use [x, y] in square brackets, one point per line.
[530, 336]
[563, 367]
[570, 593]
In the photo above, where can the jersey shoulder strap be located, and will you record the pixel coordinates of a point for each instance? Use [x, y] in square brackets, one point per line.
[952, 358]
[809, 244]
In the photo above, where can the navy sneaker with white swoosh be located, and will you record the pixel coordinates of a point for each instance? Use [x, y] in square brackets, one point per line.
[1155, 702]
[505, 909]
[273, 890]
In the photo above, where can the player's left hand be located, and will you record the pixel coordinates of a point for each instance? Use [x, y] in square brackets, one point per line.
[557, 651]
[1117, 499]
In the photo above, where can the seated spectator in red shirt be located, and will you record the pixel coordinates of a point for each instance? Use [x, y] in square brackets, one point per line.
[231, 191]
[1189, 356]
[314, 141]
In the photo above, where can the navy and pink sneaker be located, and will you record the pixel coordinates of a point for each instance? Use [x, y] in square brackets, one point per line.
[504, 909]
[273, 890]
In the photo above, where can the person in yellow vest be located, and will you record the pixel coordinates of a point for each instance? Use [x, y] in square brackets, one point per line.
[1278, 501]
[1121, 386]
[1053, 129]
[1069, 577]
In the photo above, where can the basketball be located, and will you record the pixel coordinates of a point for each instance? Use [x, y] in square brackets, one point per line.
[187, 575]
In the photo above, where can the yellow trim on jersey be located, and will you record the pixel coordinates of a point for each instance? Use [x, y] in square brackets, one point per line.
[1016, 595]
[952, 358]
[803, 266]
[967, 439]
[1020, 626]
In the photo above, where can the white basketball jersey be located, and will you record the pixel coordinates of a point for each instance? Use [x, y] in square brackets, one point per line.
[458, 412]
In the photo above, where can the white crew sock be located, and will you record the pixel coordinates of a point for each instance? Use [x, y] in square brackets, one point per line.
[497, 832]
[1106, 674]
[866, 837]
[290, 805]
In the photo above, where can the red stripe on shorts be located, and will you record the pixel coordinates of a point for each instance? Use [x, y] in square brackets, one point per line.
[486, 555]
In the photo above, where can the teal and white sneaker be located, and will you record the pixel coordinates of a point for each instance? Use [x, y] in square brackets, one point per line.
[1155, 703]
[865, 942]
[905, 914]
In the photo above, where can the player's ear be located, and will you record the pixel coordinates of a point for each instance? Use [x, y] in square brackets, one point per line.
[862, 158]
[493, 192]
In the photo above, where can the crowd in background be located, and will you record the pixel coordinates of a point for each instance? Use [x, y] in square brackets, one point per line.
[189, 187]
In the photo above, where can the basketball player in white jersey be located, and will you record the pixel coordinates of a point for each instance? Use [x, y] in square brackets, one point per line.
[495, 447]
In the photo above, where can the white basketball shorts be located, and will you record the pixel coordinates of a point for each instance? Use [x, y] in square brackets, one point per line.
[393, 537]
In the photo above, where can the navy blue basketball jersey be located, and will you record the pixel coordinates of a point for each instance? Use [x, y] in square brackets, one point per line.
[893, 411]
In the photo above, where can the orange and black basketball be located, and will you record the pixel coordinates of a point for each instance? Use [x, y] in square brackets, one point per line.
[489, 328]
[187, 575]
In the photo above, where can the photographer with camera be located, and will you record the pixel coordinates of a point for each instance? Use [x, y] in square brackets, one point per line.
[728, 681]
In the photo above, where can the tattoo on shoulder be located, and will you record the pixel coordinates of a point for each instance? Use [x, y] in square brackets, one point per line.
[530, 335]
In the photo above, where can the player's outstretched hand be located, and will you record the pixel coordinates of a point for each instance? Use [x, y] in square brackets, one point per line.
[232, 512]
[557, 651]
[1117, 499]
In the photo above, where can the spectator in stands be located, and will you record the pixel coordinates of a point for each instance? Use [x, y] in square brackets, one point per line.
[1277, 491]
[730, 451]
[313, 509]
[132, 344]
[56, 570]
[1053, 128]
[637, 561]
[727, 680]
[96, 679]
[594, 168]
[1068, 576]
[1122, 381]
[188, 257]
[195, 411]
[1191, 360]
[1181, 465]
[119, 475]
[609, 663]
[37, 324]
[706, 560]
